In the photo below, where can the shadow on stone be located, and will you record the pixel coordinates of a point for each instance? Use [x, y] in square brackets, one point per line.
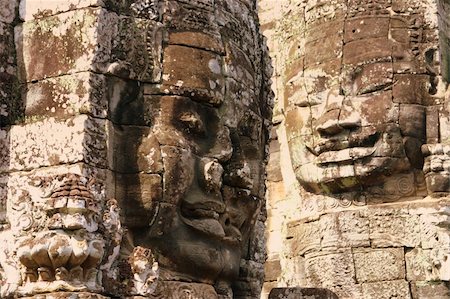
[301, 293]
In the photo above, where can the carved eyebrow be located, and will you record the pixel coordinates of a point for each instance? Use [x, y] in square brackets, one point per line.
[375, 87]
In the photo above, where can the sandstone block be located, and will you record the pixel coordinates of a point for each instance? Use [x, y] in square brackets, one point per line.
[275, 193]
[274, 239]
[89, 39]
[369, 27]
[297, 122]
[411, 89]
[432, 126]
[73, 140]
[320, 13]
[197, 40]
[11, 106]
[358, 51]
[3, 200]
[191, 16]
[294, 88]
[38, 183]
[382, 110]
[273, 168]
[344, 229]
[239, 66]
[65, 96]
[238, 101]
[7, 52]
[302, 238]
[82, 39]
[318, 51]
[364, 8]
[293, 271]
[333, 270]
[202, 79]
[257, 243]
[367, 78]
[178, 164]
[329, 269]
[393, 227]
[323, 30]
[136, 48]
[386, 290]
[374, 265]
[331, 68]
[412, 120]
[413, 151]
[433, 236]
[400, 35]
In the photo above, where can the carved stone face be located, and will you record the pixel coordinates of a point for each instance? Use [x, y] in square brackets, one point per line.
[358, 120]
[203, 220]
[202, 162]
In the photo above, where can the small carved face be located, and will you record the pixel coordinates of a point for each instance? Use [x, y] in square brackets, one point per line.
[357, 122]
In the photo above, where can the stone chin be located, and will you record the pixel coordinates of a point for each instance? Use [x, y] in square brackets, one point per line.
[194, 246]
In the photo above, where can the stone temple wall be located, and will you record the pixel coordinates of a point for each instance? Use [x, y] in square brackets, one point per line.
[133, 141]
[348, 209]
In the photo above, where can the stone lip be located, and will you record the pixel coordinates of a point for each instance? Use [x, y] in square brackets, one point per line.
[301, 293]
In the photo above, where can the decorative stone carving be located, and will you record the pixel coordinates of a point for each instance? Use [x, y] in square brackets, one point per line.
[61, 240]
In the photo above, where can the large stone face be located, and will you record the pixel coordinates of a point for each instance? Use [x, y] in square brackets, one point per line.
[361, 102]
[133, 142]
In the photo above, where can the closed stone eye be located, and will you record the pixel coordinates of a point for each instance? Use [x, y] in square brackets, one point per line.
[193, 123]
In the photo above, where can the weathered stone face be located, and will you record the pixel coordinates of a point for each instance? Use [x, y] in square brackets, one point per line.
[207, 165]
[363, 109]
[190, 150]
[357, 105]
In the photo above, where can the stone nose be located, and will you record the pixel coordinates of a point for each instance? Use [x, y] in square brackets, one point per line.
[336, 121]
[328, 123]
[211, 176]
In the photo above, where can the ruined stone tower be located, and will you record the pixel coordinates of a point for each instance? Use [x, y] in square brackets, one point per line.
[132, 150]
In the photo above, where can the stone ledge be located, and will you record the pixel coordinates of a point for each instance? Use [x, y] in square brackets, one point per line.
[301, 293]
